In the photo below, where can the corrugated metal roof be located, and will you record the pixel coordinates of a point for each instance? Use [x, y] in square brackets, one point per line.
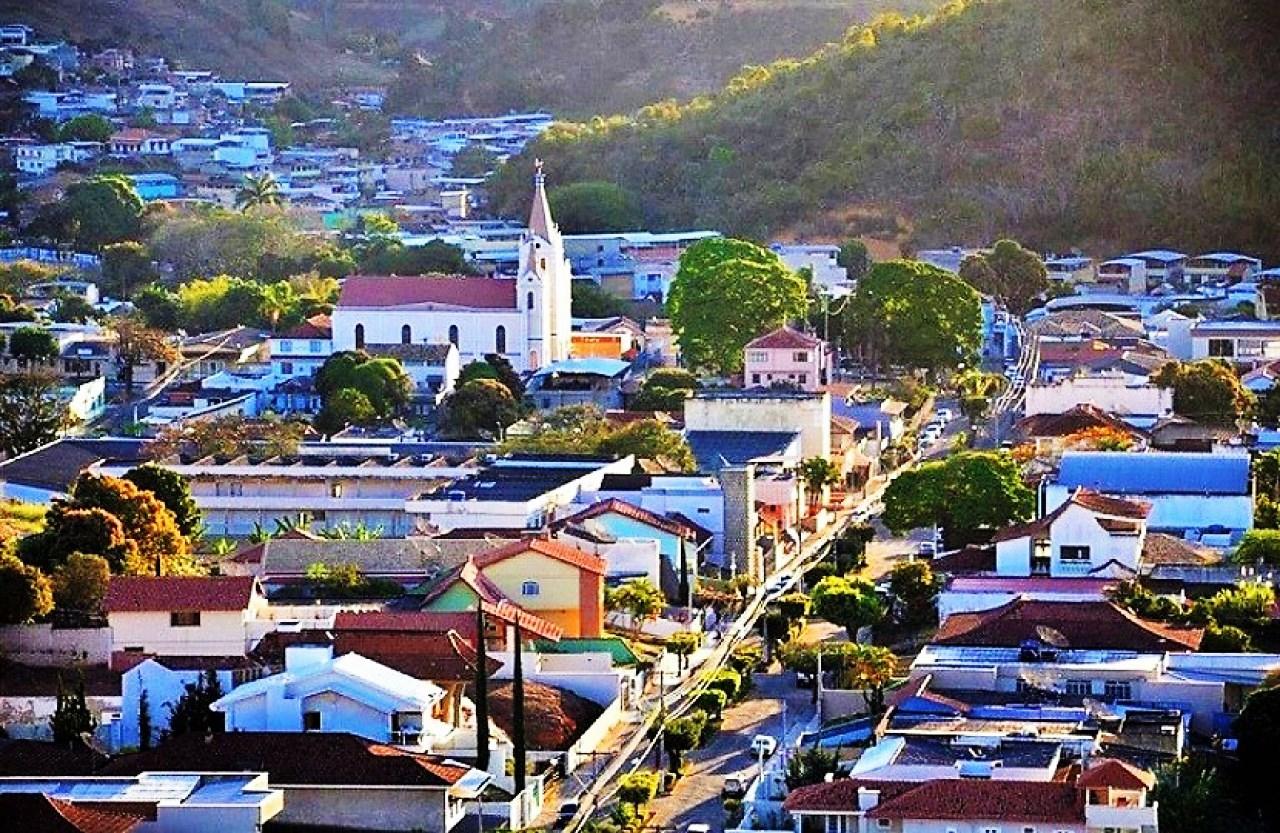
[1154, 473]
[713, 449]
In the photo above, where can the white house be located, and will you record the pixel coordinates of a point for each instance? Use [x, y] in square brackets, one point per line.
[737, 412]
[789, 357]
[1227, 267]
[1088, 535]
[38, 160]
[1241, 342]
[302, 350]
[525, 318]
[165, 681]
[186, 616]
[820, 260]
[318, 693]
[1115, 393]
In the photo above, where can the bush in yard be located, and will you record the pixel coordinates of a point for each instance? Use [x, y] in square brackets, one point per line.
[638, 788]
[746, 658]
[1226, 639]
[732, 812]
[728, 681]
[712, 701]
[680, 735]
[683, 645]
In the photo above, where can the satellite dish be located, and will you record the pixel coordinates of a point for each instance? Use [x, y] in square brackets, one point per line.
[1052, 636]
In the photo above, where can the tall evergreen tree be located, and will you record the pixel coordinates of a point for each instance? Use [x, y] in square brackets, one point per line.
[482, 692]
[517, 710]
[71, 718]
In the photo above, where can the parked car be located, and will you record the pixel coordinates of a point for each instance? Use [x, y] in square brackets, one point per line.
[734, 787]
[945, 415]
[778, 585]
[698, 827]
[762, 746]
[928, 549]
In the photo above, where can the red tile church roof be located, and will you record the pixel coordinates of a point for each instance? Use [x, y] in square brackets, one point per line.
[445, 290]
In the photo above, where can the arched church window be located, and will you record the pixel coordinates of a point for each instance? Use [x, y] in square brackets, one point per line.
[500, 339]
[406, 334]
[528, 301]
[453, 334]
[359, 336]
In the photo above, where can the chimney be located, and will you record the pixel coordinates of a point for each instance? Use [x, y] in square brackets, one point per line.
[868, 799]
[738, 491]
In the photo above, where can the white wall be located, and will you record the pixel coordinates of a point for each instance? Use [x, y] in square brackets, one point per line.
[810, 416]
[368, 808]
[476, 330]
[164, 688]
[1179, 512]
[220, 633]
[1113, 394]
[43, 646]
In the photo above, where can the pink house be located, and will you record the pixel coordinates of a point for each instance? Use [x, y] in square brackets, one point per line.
[787, 356]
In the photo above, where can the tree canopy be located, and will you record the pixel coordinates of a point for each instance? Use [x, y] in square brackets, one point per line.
[1206, 391]
[851, 603]
[382, 380]
[1009, 272]
[480, 408]
[583, 429]
[94, 212]
[31, 411]
[910, 313]
[727, 292]
[173, 490]
[592, 207]
[967, 495]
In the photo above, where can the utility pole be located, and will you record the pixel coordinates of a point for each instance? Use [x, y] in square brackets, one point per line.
[482, 692]
[662, 714]
[517, 717]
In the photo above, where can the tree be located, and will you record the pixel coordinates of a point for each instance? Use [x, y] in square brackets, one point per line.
[81, 582]
[967, 495]
[910, 313]
[727, 292]
[818, 473]
[482, 691]
[345, 408]
[976, 390]
[278, 300]
[173, 490]
[1014, 275]
[1207, 391]
[592, 207]
[17, 277]
[1258, 546]
[90, 127]
[665, 389]
[638, 598]
[137, 343]
[73, 309]
[811, 765]
[682, 645]
[258, 191]
[94, 212]
[679, 735]
[31, 412]
[266, 243]
[24, 592]
[474, 160]
[854, 258]
[482, 407]
[637, 788]
[126, 268]
[1192, 798]
[916, 588]
[71, 717]
[33, 345]
[1247, 607]
[159, 308]
[383, 381]
[69, 530]
[144, 721]
[1100, 438]
[851, 603]
[1258, 732]
[650, 440]
[192, 714]
[978, 272]
[161, 547]
[870, 668]
[591, 301]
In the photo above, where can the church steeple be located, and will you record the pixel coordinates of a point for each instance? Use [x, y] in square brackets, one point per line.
[540, 222]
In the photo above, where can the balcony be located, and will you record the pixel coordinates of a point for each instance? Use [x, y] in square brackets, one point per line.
[1099, 817]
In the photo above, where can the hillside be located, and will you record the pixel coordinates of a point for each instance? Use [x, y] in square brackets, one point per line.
[1096, 123]
[573, 56]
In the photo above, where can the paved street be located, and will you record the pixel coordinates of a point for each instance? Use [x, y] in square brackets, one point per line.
[696, 797]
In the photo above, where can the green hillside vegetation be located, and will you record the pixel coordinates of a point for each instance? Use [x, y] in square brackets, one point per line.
[1098, 123]
[574, 56]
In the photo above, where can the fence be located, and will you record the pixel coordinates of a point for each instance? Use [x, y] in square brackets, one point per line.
[43, 646]
[584, 748]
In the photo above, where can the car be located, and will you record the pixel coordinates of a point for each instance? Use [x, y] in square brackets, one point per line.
[945, 414]
[778, 585]
[927, 548]
[762, 746]
[935, 425]
[698, 827]
[568, 809]
[733, 787]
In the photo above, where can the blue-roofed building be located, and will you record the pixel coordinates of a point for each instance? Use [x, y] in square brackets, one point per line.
[1203, 496]
[1228, 267]
[588, 381]
[156, 186]
[715, 449]
[883, 419]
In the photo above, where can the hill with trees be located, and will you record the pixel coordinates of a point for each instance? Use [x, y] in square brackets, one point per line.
[572, 56]
[1096, 123]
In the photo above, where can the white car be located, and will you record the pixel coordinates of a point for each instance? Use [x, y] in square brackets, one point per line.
[945, 415]
[698, 827]
[778, 585]
[762, 746]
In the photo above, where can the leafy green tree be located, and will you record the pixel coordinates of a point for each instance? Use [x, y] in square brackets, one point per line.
[591, 301]
[147, 522]
[25, 593]
[1192, 798]
[651, 440]
[1014, 275]
[17, 277]
[916, 588]
[664, 390]
[1258, 546]
[977, 271]
[638, 788]
[390, 257]
[383, 381]
[712, 701]
[90, 127]
[1258, 731]
[73, 309]
[683, 645]
[258, 191]
[811, 765]
[592, 207]
[71, 717]
[33, 345]
[727, 292]
[855, 258]
[81, 582]
[31, 411]
[638, 598]
[478, 369]
[173, 490]
[344, 408]
[1247, 607]
[68, 531]
[818, 473]
[159, 308]
[482, 407]
[474, 160]
[910, 313]
[94, 212]
[202, 241]
[193, 713]
[869, 668]
[967, 495]
[680, 735]
[851, 603]
[1206, 391]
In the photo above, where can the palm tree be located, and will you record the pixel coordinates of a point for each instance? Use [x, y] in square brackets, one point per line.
[258, 190]
[277, 299]
[315, 291]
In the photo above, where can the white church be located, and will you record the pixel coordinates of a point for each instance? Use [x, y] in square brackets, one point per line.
[525, 318]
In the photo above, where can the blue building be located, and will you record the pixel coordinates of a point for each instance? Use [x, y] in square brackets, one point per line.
[157, 186]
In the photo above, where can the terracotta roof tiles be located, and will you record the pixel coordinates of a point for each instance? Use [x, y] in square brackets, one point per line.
[36, 813]
[966, 799]
[1099, 625]
[378, 291]
[133, 594]
[784, 338]
[1109, 772]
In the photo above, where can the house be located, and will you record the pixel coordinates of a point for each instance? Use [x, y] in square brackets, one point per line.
[822, 261]
[1050, 431]
[1162, 265]
[1192, 495]
[47, 472]
[282, 562]
[39, 160]
[526, 318]
[761, 411]
[617, 337]
[787, 357]
[328, 778]
[1070, 270]
[302, 350]
[695, 500]
[570, 382]
[553, 581]
[156, 186]
[164, 680]
[1089, 534]
[135, 141]
[1220, 267]
[317, 692]
[183, 615]
[197, 799]
[1113, 393]
[1177, 433]
[1247, 343]
[209, 353]
[1065, 626]
[434, 369]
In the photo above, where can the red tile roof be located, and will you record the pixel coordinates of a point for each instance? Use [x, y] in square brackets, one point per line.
[36, 813]
[784, 338]
[1079, 418]
[317, 326]
[444, 290]
[964, 799]
[294, 758]
[412, 643]
[1159, 548]
[841, 794]
[552, 549]
[1097, 625]
[971, 559]
[635, 513]
[141, 593]
[1086, 498]
[495, 602]
[1109, 772]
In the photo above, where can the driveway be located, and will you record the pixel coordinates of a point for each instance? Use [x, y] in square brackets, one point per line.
[696, 797]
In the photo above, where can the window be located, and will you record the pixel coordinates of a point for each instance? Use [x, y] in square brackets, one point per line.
[804, 378]
[1223, 348]
[528, 301]
[530, 588]
[542, 263]
[453, 334]
[801, 356]
[406, 334]
[1117, 690]
[755, 378]
[500, 339]
[286, 368]
[1074, 553]
[286, 346]
[991, 830]
[235, 489]
[757, 356]
[1028, 830]
[359, 336]
[311, 721]
[1079, 688]
[335, 490]
[184, 619]
[883, 823]
[316, 345]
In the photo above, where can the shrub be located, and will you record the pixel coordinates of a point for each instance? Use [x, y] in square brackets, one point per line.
[1226, 639]
[712, 701]
[728, 681]
[746, 658]
[638, 788]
